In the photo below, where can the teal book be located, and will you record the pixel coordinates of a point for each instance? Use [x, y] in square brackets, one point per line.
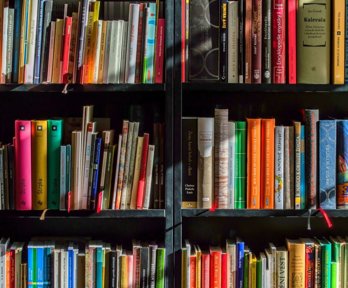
[240, 165]
[150, 41]
[160, 264]
[99, 267]
[326, 258]
[54, 141]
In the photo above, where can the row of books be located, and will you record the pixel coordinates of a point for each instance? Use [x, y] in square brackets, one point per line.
[270, 41]
[49, 263]
[255, 164]
[68, 42]
[302, 263]
[38, 172]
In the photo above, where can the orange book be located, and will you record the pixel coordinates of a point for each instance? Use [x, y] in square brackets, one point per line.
[253, 163]
[267, 163]
[8, 268]
[215, 267]
[193, 260]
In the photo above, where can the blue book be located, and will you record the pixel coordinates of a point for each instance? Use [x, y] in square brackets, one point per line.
[71, 267]
[342, 164]
[37, 61]
[30, 266]
[40, 266]
[98, 144]
[16, 39]
[303, 170]
[240, 264]
[99, 267]
[327, 164]
[150, 41]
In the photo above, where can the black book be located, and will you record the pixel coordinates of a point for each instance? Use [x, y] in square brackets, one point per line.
[223, 40]
[266, 42]
[144, 267]
[113, 269]
[11, 183]
[241, 61]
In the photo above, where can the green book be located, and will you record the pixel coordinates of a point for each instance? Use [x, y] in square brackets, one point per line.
[247, 255]
[325, 263]
[54, 141]
[240, 165]
[259, 273]
[334, 274]
[160, 264]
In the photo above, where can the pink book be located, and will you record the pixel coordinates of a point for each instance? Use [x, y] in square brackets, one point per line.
[278, 41]
[159, 61]
[23, 164]
[292, 9]
[205, 270]
[142, 175]
[66, 49]
[130, 270]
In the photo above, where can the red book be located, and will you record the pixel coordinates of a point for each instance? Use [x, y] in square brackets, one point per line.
[224, 270]
[183, 41]
[193, 263]
[256, 41]
[159, 61]
[292, 9]
[278, 41]
[309, 264]
[12, 269]
[142, 175]
[66, 49]
[205, 270]
[23, 165]
[215, 267]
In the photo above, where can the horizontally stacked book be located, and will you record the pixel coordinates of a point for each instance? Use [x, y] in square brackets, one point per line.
[255, 164]
[87, 41]
[38, 172]
[302, 263]
[268, 41]
[80, 263]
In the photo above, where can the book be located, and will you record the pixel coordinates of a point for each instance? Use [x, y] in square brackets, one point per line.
[248, 41]
[256, 31]
[241, 42]
[136, 172]
[142, 173]
[231, 163]
[266, 41]
[17, 37]
[46, 28]
[253, 163]
[282, 267]
[223, 40]
[149, 168]
[66, 77]
[313, 16]
[241, 164]
[160, 48]
[215, 266]
[291, 43]
[327, 163]
[338, 42]
[297, 262]
[309, 261]
[279, 167]
[342, 195]
[288, 172]
[233, 27]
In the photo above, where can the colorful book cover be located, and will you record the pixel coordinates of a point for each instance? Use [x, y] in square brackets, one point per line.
[240, 162]
[142, 175]
[342, 164]
[240, 264]
[215, 267]
[327, 164]
[297, 160]
[40, 266]
[99, 267]
[309, 262]
[279, 167]
[66, 77]
[160, 264]
[160, 45]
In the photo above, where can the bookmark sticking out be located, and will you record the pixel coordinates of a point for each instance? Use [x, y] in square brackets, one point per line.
[213, 208]
[309, 219]
[43, 215]
[100, 202]
[326, 217]
[69, 202]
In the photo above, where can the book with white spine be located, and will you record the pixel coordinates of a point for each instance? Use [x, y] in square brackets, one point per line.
[279, 167]
[149, 167]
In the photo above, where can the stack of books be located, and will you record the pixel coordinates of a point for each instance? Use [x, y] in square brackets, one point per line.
[269, 41]
[80, 263]
[302, 263]
[256, 164]
[84, 41]
[38, 172]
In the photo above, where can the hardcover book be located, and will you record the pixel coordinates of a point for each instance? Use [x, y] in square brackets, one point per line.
[342, 164]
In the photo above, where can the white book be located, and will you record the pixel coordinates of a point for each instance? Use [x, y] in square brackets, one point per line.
[123, 52]
[62, 196]
[4, 44]
[279, 167]
[231, 162]
[51, 52]
[233, 29]
[117, 62]
[56, 268]
[264, 270]
[114, 194]
[29, 66]
[9, 48]
[96, 52]
[107, 51]
[112, 52]
[282, 267]
[148, 184]
[4, 242]
[132, 42]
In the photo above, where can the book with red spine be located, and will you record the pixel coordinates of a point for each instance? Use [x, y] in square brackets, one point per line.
[278, 41]
[142, 175]
[309, 262]
[193, 262]
[23, 194]
[248, 41]
[256, 31]
[159, 56]
[12, 269]
[66, 49]
[215, 267]
[205, 270]
[292, 10]
[224, 270]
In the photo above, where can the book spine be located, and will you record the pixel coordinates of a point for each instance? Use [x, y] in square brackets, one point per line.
[253, 163]
[338, 41]
[11, 175]
[45, 39]
[4, 44]
[223, 40]
[51, 52]
[256, 41]
[309, 265]
[38, 42]
[248, 41]
[317, 265]
[241, 41]
[136, 172]
[183, 41]
[292, 10]
[62, 178]
[221, 158]
[140, 44]
[68, 167]
[215, 269]
[346, 45]
[56, 63]
[231, 163]
[266, 42]
[312, 117]
[142, 174]
[189, 174]
[103, 50]
[160, 267]
[292, 166]
[287, 157]
[17, 38]
[95, 186]
[132, 163]
[279, 167]
[240, 168]
[327, 164]
[267, 162]
[342, 160]
[149, 169]
[66, 50]
[278, 41]
[296, 265]
[240, 264]
[9, 48]
[326, 265]
[303, 189]
[232, 58]
[223, 270]
[160, 45]
[282, 268]
[297, 138]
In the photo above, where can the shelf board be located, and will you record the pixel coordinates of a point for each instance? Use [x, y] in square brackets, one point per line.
[228, 87]
[87, 88]
[241, 213]
[84, 214]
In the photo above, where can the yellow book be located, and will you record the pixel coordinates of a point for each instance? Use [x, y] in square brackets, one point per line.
[252, 271]
[124, 271]
[198, 267]
[338, 46]
[39, 164]
[102, 52]
[56, 67]
[296, 263]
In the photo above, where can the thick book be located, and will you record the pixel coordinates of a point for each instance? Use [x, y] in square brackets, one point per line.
[327, 164]
[291, 43]
[267, 163]
[142, 173]
[232, 56]
[54, 141]
[39, 164]
[338, 41]
[278, 41]
[282, 267]
[256, 31]
[342, 161]
[253, 163]
[311, 119]
[189, 171]
[266, 41]
[248, 41]
[159, 55]
[221, 158]
[241, 164]
[223, 40]
[279, 168]
[313, 41]
[297, 262]
[215, 266]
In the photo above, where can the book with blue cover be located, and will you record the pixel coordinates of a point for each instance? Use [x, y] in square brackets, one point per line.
[240, 264]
